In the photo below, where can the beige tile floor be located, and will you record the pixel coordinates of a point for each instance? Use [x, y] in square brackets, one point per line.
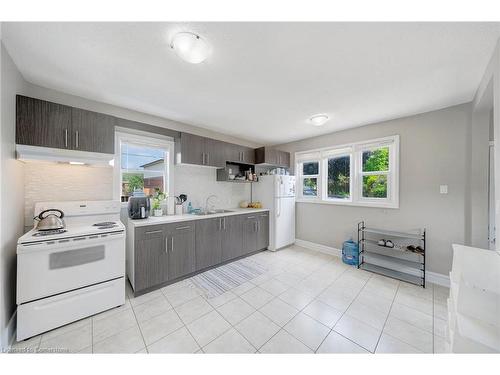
[307, 302]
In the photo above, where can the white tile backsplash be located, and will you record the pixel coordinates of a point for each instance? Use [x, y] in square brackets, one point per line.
[200, 182]
[45, 182]
[62, 182]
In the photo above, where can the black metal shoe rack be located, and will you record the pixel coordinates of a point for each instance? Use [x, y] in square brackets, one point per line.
[397, 262]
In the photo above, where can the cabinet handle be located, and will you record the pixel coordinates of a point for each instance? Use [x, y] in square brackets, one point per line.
[66, 138]
[258, 226]
[153, 231]
[203, 158]
[166, 245]
[224, 221]
[77, 136]
[172, 244]
[255, 226]
[250, 217]
[220, 224]
[180, 228]
[208, 158]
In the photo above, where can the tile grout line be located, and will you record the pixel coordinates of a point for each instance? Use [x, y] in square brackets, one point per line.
[299, 311]
[387, 317]
[140, 330]
[341, 316]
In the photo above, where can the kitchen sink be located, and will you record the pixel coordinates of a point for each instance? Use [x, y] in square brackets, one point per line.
[211, 212]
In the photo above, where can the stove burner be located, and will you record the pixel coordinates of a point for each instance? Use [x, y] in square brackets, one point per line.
[105, 224]
[49, 232]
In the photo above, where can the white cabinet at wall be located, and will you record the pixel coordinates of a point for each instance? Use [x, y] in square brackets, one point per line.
[474, 301]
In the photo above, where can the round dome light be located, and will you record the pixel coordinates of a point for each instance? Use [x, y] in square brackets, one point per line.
[318, 120]
[190, 47]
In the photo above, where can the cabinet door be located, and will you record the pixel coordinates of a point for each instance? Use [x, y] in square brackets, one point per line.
[181, 246]
[42, 123]
[208, 243]
[151, 257]
[233, 152]
[192, 149]
[92, 131]
[284, 159]
[249, 234]
[248, 155]
[232, 237]
[215, 154]
[262, 231]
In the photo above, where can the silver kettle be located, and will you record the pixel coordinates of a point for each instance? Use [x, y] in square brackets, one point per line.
[50, 220]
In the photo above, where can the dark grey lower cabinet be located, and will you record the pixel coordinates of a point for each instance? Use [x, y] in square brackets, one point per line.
[170, 251]
[181, 242]
[250, 234]
[208, 242]
[232, 237]
[151, 263]
[262, 230]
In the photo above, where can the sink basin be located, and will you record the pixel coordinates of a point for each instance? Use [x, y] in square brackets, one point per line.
[211, 212]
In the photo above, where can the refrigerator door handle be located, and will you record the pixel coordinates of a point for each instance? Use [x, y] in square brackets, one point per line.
[278, 208]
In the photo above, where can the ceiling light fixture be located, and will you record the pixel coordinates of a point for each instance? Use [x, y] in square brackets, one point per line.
[76, 163]
[190, 47]
[318, 120]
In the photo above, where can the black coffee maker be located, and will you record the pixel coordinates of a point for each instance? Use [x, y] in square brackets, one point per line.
[139, 207]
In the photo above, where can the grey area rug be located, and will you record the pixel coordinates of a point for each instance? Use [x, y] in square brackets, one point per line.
[224, 278]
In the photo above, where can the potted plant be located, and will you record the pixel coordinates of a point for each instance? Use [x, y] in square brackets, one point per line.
[158, 198]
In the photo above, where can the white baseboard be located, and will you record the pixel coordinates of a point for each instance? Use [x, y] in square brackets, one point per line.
[9, 333]
[318, 247]
[437, 278]
[432, 277]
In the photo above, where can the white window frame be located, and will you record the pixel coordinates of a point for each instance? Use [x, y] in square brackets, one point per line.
[123, 135]
[355, 151]
[300, 180]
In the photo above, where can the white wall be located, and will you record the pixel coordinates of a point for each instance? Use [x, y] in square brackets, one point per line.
[433, 152]
[12, 190]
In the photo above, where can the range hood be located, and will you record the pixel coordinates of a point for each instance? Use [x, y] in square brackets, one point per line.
[36, 153]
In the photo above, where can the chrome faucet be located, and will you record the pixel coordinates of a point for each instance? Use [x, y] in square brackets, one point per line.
[208, 199]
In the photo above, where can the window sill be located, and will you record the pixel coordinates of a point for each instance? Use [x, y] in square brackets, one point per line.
[355, 204]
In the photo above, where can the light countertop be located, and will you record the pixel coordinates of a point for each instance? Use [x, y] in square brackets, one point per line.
[152, 220]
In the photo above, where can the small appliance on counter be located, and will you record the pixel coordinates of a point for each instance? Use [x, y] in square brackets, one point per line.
[139, 207]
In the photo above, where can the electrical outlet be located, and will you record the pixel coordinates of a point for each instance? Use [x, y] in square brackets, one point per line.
[443, 189]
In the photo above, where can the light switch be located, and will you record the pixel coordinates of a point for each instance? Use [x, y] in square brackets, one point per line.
[443, 189]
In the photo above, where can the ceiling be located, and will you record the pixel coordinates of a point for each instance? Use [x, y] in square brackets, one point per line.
[262, 81]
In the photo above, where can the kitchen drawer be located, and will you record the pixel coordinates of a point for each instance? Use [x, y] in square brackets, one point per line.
[45, 314]
[185, 227]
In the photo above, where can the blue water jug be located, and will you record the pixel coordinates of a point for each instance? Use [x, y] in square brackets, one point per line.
[350, 252]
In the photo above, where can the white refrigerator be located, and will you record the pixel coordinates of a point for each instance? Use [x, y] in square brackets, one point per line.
[277, 193]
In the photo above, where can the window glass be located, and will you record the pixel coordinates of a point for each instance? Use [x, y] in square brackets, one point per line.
[339, 176]
[311, 168]
[310, 187]
[143, 168]
[375, 186]
[376, 160]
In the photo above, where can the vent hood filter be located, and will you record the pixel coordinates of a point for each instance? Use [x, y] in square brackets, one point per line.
[35, 153]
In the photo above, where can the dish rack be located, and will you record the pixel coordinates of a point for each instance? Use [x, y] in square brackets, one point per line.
[397, 262]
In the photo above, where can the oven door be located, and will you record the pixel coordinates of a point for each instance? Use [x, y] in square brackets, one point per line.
[48, 268]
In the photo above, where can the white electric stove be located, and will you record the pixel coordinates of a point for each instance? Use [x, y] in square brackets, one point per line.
[69, 274]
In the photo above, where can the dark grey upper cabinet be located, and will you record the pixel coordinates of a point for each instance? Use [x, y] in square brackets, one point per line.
[42, 123]
[215, 155]
[232, 237]
[46, 124]
[181, 249]
[92, 131]
[272, 156]
[262, 230]
[211, 152]
[151, 263]
[208, 242]
[192, 149]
